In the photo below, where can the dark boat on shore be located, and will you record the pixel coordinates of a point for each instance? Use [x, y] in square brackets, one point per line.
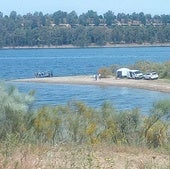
[44, 74]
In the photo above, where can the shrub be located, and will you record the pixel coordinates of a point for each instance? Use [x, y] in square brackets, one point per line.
[46, 124]
[14, 107]
[157, 134]
[163, 69]
[156, 126]
[78, 123]
[129, 123]
[105, 72]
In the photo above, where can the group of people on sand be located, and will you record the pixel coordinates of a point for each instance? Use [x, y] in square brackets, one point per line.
[97, 76]
[44, 74]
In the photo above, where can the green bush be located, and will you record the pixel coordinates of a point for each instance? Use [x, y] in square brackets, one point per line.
[78, 123]
[163, 69]
[156, 126]
[129, 123]
[14, 110]
[105, 72]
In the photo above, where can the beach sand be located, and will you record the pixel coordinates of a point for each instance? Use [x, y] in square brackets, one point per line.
[155, 85]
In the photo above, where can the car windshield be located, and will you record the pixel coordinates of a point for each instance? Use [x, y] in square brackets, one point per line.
[154, 73]
[137, 72]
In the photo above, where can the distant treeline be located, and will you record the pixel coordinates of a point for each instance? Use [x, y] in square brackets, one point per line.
[62, 28]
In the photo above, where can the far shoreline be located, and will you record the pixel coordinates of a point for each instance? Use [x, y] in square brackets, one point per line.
[154, 85]
[90, 46]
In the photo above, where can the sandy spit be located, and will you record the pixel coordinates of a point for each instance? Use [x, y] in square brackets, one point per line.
[155, 85]
[108, 45]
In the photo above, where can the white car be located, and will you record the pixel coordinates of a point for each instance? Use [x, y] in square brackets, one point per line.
[135, 74]
[151, 76]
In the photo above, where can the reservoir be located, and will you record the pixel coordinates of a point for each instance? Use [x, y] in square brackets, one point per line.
[23, 63]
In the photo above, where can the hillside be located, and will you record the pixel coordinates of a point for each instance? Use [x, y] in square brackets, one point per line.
[88, 29]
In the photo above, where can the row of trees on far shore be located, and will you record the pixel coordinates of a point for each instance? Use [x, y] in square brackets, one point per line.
[62, 28]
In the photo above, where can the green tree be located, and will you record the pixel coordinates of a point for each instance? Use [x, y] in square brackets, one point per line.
[142, 18]
[92, 17]
[13, 15]
[72, 18]
[80, 36]
[59, 17]
[83, 19]
[97, 35]
[109, 18]
[122, 17]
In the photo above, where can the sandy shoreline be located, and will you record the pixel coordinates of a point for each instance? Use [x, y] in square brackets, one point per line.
[91, 46]
[155, 85]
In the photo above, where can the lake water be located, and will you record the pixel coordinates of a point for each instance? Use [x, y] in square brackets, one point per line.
[23, 63]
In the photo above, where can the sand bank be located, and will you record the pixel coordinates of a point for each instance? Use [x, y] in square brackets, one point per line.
[108, 45]
[156, 85]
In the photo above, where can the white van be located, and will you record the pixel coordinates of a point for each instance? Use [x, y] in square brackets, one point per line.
[122, 73]
[135, 74]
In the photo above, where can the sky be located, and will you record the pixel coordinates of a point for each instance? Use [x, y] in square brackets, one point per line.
[153, 7]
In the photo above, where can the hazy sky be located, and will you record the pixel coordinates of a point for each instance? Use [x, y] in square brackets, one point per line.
[82, 6]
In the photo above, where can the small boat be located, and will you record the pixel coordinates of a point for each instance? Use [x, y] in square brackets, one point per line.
[44, 74]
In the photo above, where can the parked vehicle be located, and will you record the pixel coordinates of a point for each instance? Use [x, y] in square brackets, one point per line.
[135, 74]
[122, 73]
[150, 76]
[44, 74]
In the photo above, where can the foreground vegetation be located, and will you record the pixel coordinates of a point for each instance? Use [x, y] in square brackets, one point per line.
[62, 28]
[78, 134]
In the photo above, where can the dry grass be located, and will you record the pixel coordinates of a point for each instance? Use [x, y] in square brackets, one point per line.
[165, 80]
[85, 157]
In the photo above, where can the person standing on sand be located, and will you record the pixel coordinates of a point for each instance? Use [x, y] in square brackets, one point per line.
[95, 77]
[99, 76]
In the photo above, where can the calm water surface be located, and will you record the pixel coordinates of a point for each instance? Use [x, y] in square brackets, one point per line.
[122, 98]
[24, 63]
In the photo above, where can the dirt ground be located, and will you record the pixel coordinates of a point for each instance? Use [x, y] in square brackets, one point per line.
[85, 157]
